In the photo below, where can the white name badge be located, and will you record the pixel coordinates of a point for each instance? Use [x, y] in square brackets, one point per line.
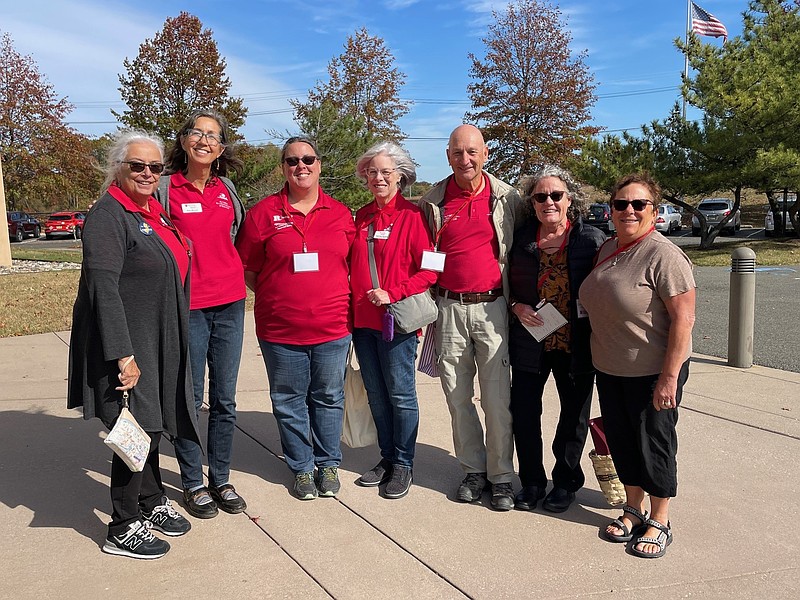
[433, 261]
[382, 235]
[305, 262]
[582, 314]
[192, 207]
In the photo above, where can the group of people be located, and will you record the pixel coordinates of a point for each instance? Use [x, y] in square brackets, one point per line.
[322, 281]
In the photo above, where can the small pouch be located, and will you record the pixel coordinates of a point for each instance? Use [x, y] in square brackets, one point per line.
[128, 440]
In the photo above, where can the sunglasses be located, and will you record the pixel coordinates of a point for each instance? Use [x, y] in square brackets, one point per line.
[638, 205]
[293, 161]
[137, 167]
[541, 198]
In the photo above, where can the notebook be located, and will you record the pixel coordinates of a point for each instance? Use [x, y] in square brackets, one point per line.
[552, 320]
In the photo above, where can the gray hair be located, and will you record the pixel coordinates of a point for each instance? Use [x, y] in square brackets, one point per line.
[119, 150]
[574, 190]
[402, 162]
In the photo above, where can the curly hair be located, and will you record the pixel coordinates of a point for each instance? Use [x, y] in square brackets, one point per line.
[578, 206]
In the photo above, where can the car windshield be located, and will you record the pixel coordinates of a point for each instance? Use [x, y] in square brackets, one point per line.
[597, 210]
[61, 216]
[713, 206]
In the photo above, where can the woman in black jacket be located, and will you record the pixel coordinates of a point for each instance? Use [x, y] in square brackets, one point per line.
[552, 254]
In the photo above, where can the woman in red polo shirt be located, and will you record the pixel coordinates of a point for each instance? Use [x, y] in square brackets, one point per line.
[294, 246]
[204, 205]
[400, 236]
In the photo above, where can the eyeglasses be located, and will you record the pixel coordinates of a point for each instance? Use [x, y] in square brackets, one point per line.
[541, 198]
[137, 167]
[638, 205]
[293, 161]
[385, 173]
[212, 139]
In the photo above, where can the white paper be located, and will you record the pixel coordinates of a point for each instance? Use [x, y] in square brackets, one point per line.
[433, 261]
[191, 207]
[552, 321]
[305, 262]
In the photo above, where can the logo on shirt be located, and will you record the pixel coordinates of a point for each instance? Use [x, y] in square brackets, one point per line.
[223, 202]
[281, 222]
[145, 228]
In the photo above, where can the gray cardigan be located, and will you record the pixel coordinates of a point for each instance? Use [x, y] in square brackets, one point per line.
[130, 301]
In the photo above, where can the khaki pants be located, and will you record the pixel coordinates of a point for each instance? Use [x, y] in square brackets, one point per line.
[473, 338]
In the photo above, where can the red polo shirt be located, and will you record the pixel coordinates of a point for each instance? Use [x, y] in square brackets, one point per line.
[157, 219]
[206, 218]
[468, 239]
[401, 237]
[309, 307]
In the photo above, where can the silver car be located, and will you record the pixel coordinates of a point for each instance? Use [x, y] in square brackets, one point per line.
[771, 220]
[715, 210]
[668, 219]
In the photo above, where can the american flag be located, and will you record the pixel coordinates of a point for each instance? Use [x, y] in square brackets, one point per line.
[704, 23]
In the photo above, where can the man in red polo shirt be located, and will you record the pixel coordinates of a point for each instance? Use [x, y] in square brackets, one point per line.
[472, 216]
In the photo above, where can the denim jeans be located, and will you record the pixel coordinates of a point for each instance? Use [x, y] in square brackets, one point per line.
[306, 385]
[215, 336]
[388, 370]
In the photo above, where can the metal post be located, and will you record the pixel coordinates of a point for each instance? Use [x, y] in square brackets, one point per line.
[742, 308]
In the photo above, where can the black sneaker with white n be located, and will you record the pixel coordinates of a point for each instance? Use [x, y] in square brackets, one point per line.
[137, 541]
[166, 519]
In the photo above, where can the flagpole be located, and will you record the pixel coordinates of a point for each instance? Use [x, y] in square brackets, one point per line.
[686, 54]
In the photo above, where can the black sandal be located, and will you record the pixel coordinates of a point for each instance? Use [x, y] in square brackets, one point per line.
[662, 540]
[628, 534]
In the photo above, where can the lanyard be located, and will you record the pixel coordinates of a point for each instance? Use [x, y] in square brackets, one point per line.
[446, 223]
[309, 218]
[626, 247]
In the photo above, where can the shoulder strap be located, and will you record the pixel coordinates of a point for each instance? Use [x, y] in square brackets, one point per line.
[162, 193]
[373, 269]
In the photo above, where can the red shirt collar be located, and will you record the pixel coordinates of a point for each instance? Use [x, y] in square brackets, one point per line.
[130, 205]
[454, 191]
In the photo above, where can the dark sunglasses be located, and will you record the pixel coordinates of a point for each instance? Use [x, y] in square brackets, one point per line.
[541, 198]
[638, 205]
[138, 167]
[293, 161]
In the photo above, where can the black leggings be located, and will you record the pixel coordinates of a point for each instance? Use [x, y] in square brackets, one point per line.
[132, 492]
[642, 440]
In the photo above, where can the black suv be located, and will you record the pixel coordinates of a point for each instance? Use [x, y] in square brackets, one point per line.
[599, 215]
[22, 225]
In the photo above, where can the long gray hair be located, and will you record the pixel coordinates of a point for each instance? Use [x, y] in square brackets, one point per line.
[119, 150]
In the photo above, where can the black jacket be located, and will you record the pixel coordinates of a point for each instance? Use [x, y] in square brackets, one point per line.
[582, 245]
[131, 300]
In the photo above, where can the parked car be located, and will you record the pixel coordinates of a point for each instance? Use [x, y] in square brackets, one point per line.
[668, 219]
[772, 221]
[64, 223]
[715, 210]
[22, 225]
[599, 215]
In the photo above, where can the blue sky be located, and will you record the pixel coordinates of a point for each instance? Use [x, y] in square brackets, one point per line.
[278, 49]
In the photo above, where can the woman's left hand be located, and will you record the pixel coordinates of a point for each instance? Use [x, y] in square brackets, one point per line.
[664, 392]
[378, 296]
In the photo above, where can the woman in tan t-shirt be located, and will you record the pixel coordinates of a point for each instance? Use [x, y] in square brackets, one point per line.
[641, 299]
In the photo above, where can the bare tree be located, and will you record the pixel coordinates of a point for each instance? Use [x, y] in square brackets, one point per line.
[530, 95]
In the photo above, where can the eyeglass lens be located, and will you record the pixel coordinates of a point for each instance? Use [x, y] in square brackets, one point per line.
[211, 138]
[386, 173]
[293, 161]
[138, 167]
[638, 205]
[541, 198]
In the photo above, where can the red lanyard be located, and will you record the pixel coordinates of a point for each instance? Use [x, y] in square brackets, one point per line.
[447, 222]
[309, 218]
[626, 247]
[543, 277]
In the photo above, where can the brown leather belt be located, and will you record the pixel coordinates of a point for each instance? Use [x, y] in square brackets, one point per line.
[472, 297]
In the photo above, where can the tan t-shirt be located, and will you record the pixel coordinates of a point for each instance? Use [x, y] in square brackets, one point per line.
[623, 296]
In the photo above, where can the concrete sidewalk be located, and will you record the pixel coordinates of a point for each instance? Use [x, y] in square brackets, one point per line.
[733, 520]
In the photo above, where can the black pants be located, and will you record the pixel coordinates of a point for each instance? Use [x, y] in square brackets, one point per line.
[132, 492]
[642, 440]
[575, 397]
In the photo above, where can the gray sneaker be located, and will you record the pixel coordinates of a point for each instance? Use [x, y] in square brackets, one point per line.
[304, 487]
[378, 475]
[328, 481]
[472, 487]
[400, 482]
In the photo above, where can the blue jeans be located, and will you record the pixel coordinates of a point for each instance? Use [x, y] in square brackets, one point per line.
[306, 385]
[215, 336]
[388, 370]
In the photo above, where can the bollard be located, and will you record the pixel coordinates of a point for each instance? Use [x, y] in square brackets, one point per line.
[742, 308]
